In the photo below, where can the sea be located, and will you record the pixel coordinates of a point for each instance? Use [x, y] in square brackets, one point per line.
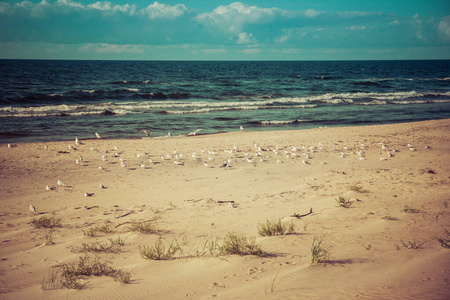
[57, 100]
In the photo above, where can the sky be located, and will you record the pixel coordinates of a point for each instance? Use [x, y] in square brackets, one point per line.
[225, 30]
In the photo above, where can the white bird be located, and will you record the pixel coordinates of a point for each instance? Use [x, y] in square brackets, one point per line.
[104, 158]
[169, 134]
[60, 183]
[249, 159]
[412, 149]
[142, 165]
[11, 146]
[123, 164]
[50, 188]
[81, 158]
[150, 160]
[45, 147]
[205, 164]
[93, 149]
[177, 162]
[305, 162]
[71, 147]
[100, 167]
[116, 148]
[242, 128]
[279, 161]
[77, 161]
[98, 135]
[78, 142]
[382, 158]
[88, 194]
[32, 208]
[102, 186]
[193, 133]
[225, 164]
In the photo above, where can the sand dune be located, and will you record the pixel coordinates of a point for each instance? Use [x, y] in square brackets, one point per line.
[192, 205]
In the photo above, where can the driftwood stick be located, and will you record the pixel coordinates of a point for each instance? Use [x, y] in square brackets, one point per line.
[301, 216]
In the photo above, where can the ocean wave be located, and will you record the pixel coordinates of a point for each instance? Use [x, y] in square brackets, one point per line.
[269, 123]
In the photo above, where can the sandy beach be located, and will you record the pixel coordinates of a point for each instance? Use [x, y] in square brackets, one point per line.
[396, 179]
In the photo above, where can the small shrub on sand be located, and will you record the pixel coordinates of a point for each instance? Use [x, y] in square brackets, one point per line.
[410, 210]
[344, 202]
[46, 222]
[445, 241]
[159, 251]
[52, 281]
[275, 228]
[320, 251]
[390, 218]
[146, 227]
[357, 188]
[73, 273]
[412, 244]
[106, 228]
[239, 244]
[99, 247]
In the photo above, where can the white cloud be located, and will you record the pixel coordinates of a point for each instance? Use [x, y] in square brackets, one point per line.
[234, 16]
[163, 11]
[111, 48]
[246, 38]
[251, 51]
[444, 28]
[353, 27]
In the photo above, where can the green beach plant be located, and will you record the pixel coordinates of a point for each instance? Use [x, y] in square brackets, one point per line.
[46, 222]
[159, 251]
[320, 251]
[276, 228]
[239, 244]
[343, 201]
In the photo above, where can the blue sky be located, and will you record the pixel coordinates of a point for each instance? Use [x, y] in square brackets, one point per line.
[225, 30]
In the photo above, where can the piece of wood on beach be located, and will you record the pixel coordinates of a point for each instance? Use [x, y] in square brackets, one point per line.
[301, 216]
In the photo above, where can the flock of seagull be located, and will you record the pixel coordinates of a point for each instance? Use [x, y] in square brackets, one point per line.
[233, 156]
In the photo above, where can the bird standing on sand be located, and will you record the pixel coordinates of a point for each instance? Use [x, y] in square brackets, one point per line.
[242, 128]
[147, 132]
[88, 194]
[32, 208]
[98, 135]
[60, 183]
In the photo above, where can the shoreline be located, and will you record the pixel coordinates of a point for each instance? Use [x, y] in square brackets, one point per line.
[224, 132]
[191, 197]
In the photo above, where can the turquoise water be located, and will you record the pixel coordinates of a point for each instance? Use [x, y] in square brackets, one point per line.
[57, 100]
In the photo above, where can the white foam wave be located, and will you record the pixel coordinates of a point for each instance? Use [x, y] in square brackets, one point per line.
[268, 123]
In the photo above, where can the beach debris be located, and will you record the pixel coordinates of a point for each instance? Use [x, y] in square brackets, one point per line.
[304, 215]
[102, 186]
[88, 194]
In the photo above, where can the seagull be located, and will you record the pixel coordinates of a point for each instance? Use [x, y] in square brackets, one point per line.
[249, 159]
[11, 146]
[50, 188]
[45, 147]
[116, 148]
[147, 132]
[93, 149]
[305, 162]
[205, 164]
[102, 186]
[60, 183]
[78, 142]
[77, 161]
[98, 135]
[193, 133]
[279, 161]
[100, 167]
[32, 208]
[71, 147]
[104, 158]
[169, 134]
[177, 162]
[224, 164]
[241, 128]
[142, 165]
[88, 194]
[123, 164]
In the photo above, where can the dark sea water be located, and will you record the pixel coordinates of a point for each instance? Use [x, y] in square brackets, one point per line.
[44, 100]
